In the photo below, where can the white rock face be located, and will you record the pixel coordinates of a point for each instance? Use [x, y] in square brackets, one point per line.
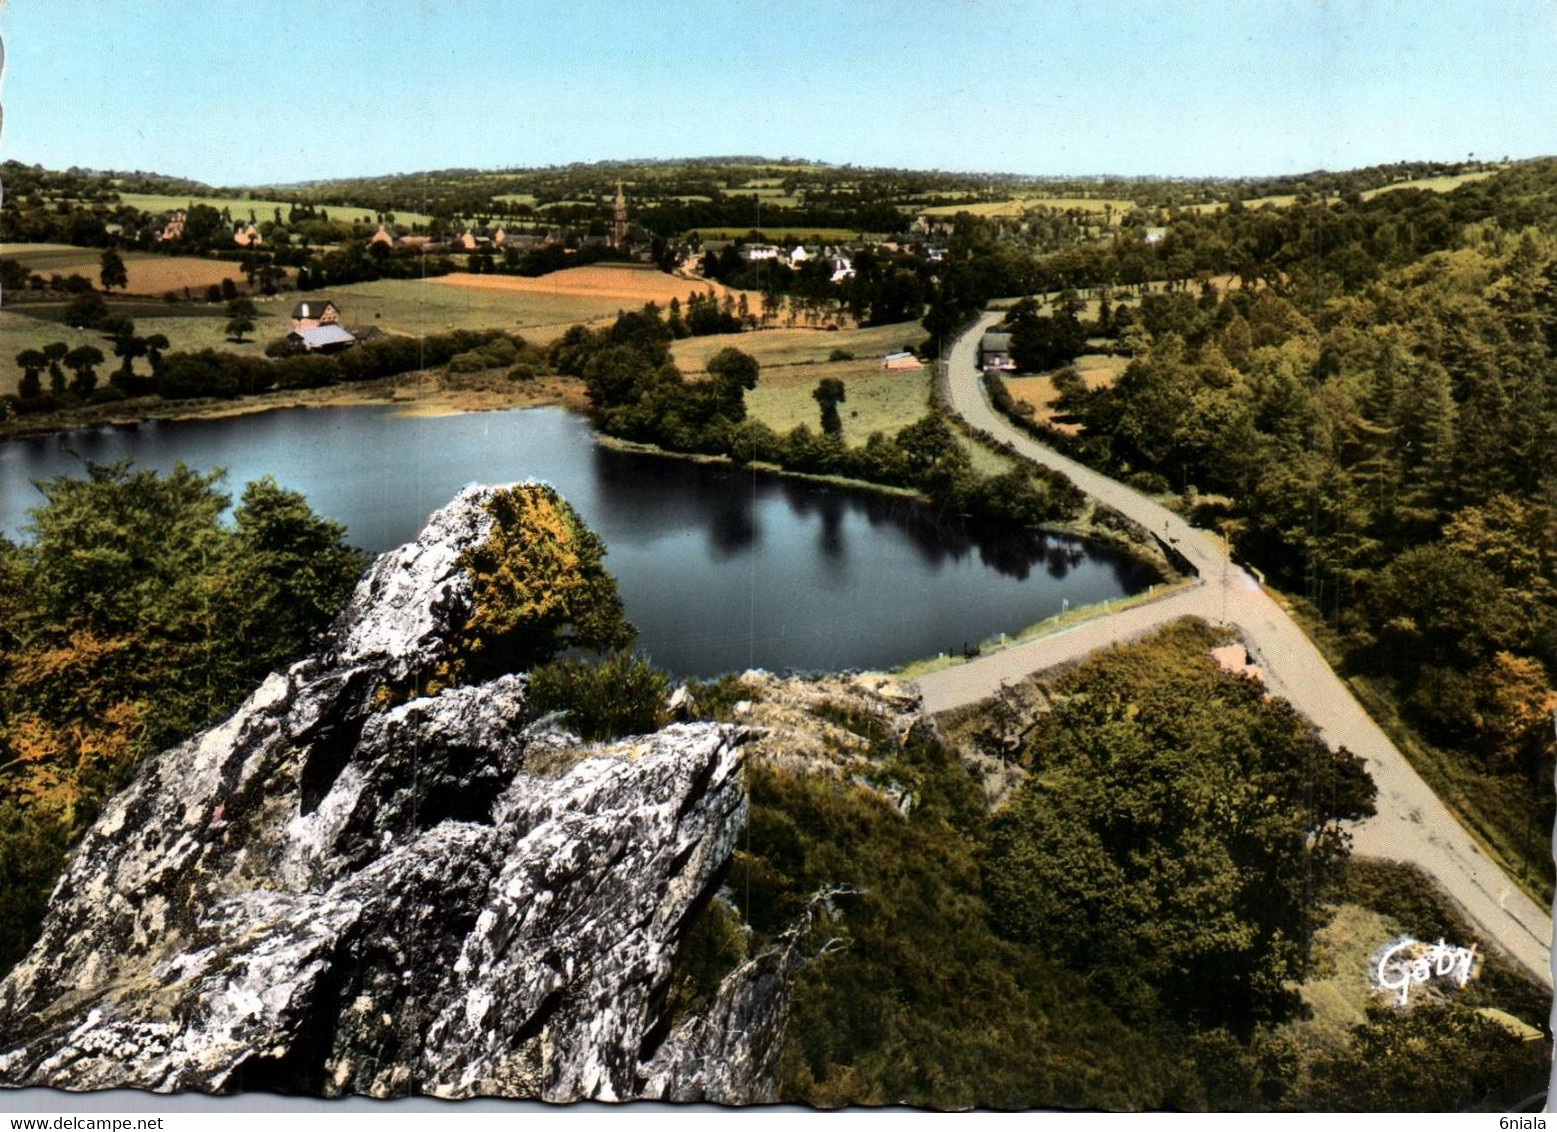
[325, 894]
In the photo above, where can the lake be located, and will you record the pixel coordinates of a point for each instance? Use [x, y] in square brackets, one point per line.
[721, 569]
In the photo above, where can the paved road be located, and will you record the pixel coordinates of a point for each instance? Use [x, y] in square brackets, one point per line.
[1412, 825]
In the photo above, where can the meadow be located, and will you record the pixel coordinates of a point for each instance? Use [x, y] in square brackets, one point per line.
[542, 308]
[1019, 205]
[1426, 184]
[1432, 184]
[793, 361]
[262, 209]
[191, 329]
[149, 274]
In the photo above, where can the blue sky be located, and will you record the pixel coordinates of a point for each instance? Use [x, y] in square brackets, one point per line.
[264, 91]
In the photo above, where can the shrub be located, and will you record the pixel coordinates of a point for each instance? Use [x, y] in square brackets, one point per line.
[620, 694]
[840, 355]
[495, 354]
[86, 310]
[716, 699]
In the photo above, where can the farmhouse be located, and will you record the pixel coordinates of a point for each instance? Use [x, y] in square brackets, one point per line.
[311, 313]
[172, 225]
[247, 236]
[756, 252]
[325, 339]
[995, 351]
[903, 359]
[383, 237]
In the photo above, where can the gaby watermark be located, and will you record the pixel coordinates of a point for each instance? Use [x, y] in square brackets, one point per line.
[1403, 963]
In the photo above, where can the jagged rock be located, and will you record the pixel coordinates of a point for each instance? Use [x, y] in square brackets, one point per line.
[335, 892]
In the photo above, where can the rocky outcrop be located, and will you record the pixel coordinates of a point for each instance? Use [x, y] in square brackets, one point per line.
[342, 890]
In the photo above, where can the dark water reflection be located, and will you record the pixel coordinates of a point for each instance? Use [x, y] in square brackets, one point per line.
[720, 568]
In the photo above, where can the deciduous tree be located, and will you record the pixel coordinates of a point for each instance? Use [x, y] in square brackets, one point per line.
[112, 271]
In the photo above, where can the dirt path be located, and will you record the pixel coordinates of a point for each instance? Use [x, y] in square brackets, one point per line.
[1412, 825]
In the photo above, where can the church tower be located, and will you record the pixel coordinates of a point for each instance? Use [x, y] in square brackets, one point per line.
[619, 219]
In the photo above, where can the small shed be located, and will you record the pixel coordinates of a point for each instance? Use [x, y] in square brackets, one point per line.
[903, 359]
[323, 339]
[995, 351]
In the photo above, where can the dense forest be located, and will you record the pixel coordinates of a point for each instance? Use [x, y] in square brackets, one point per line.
[1370, 416]
[130, 618]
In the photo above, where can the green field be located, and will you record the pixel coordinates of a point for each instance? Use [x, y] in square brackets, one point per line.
[240, 208]
[1432, 184]
[793, 361]
[1426, 184]
[417, 307]
[1019, 205]
[776, 197]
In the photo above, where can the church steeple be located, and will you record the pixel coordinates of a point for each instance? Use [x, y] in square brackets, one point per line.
[619, 218]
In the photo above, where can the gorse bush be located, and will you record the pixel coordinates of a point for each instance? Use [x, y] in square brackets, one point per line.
[619, 694]
[539, 589]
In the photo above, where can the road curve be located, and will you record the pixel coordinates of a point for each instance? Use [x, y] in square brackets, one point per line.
[1412, 825]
